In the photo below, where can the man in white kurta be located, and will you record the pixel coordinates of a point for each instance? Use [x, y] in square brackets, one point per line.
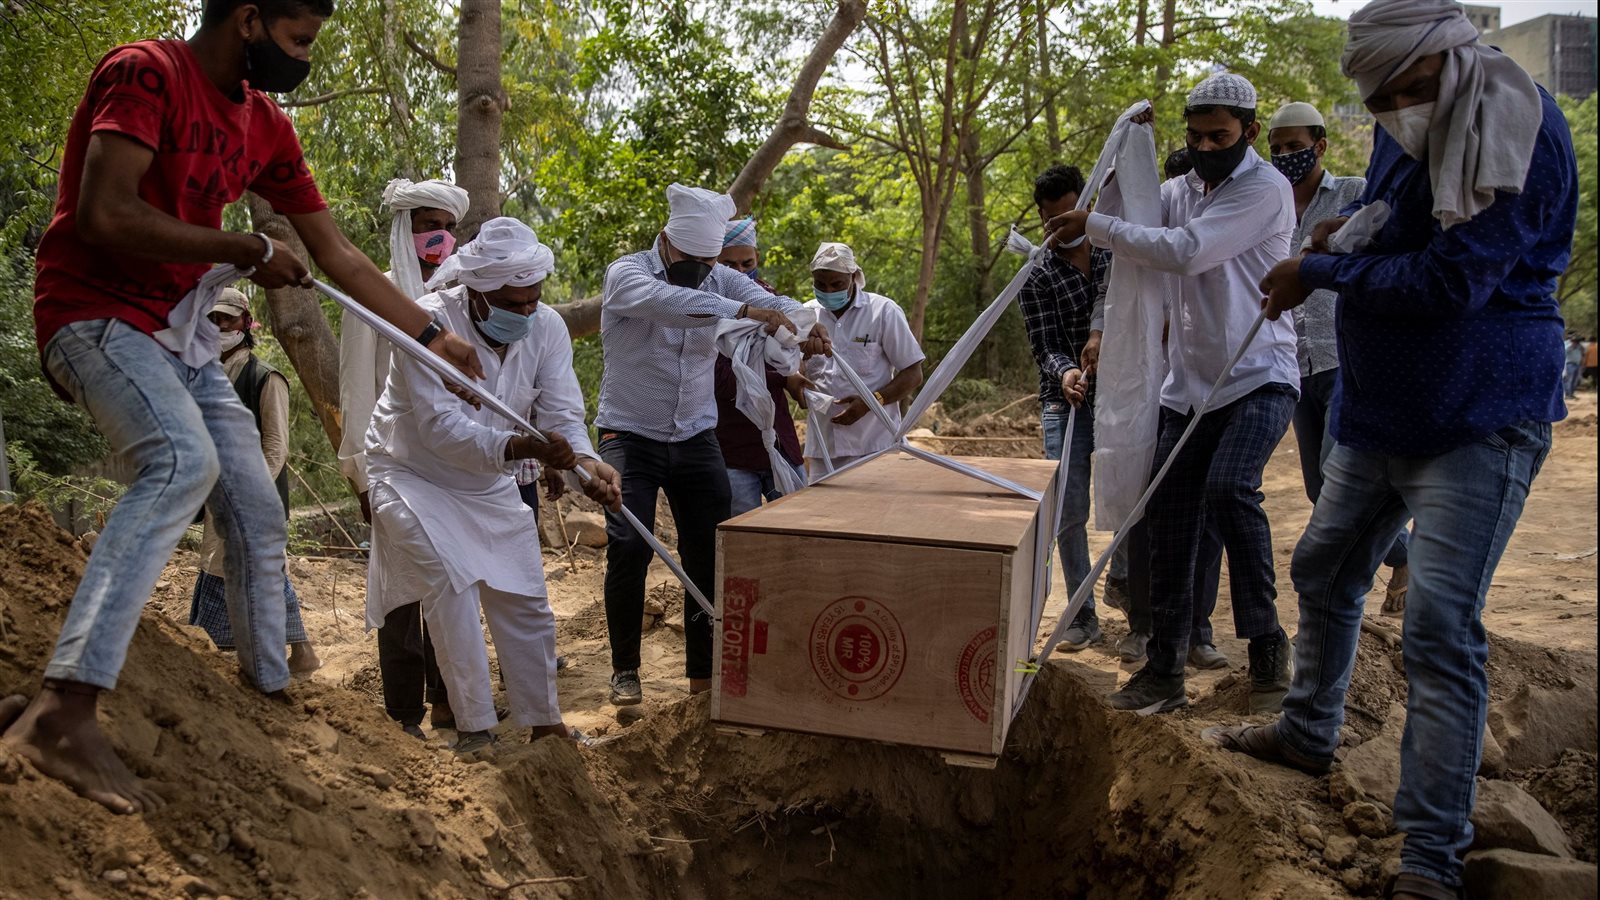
[450, 527]
[870, 333]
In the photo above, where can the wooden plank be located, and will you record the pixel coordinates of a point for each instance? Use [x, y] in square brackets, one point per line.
[902, 499]
[858, 639]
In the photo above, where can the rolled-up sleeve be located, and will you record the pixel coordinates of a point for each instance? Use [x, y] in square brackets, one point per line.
[1227, 228]
[632, 291]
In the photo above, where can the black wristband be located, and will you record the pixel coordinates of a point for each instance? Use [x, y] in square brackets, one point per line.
[433, 330]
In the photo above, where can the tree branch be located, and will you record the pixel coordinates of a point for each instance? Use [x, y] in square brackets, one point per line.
[428, 56]
[328, 97]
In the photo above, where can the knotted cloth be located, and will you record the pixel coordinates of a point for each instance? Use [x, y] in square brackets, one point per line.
[505, 253]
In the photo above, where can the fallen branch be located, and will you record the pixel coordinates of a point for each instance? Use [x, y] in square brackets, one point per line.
[526, 882]
[1385, 633]
[325, 510]
[328, 97]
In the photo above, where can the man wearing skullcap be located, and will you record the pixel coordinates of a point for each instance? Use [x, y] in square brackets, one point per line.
[1226, 223]
[421, 237]
[449, 525]
[658, 413]
[875, 340]
[1449, 377]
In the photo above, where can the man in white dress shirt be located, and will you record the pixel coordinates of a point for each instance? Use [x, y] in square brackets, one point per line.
[658, 414]
[421, 237]
[449, 525]
[873, 337]
[1226, 224]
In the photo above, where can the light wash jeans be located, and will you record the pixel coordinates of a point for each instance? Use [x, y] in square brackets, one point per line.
[1465, 504]
[192, 442]
[1073, 538]
[750, 488]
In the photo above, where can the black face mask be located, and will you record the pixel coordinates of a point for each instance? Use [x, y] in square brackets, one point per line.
[689, 273]
[268, 68]
[1215, 165]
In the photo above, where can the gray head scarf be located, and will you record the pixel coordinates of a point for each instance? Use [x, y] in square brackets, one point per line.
[1488, 112]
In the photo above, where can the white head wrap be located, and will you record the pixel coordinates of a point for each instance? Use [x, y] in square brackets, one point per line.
[505, 252]
[1296, 115]
[403, 196]
[697, 219]
[740, 233]
[1488, 113]
[835, 257]
[1223, 89]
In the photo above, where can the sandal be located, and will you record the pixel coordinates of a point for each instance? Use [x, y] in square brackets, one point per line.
[1420, 887]
[1263, 742]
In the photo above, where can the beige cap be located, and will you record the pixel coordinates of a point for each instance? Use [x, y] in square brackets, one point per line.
[231, 301]
[1296, 115]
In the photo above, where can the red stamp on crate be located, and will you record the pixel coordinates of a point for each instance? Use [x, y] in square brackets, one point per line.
[975, 674]
[740, 632]
[858, 649]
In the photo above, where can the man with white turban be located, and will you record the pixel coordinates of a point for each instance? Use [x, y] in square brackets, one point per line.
[449, 525]
[1225, 224]
[875, 339]
[421, 237]
[1449, 377]
[658, 414]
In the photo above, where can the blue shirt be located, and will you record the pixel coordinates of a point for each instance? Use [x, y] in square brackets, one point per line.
[1448, 336]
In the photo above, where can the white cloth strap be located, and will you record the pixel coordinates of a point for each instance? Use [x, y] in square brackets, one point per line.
[750, 350]
[190, 333]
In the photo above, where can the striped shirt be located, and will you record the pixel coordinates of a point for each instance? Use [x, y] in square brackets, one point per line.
[1318, 347]
[659, 343]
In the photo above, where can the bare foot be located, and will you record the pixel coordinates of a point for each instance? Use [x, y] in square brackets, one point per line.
[303, 659]
[59, 736]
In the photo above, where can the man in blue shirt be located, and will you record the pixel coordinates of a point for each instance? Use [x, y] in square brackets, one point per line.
[1450, 375]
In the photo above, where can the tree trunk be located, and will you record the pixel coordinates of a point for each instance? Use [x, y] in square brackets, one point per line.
[296, 319]
[978, 225]
[1052, 125]
[932, 233]
[582, 316]
[1141, 23]
[395, 90]
[481, 102]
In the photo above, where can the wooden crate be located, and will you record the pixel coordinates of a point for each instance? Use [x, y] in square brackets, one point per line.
[890, 603]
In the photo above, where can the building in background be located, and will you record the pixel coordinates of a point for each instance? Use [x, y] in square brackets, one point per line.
[1558, 51]
[1483, 18]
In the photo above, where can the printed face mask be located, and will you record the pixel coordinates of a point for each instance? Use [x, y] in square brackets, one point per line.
[1214, 166]
[688, 273]
[269, 68]
[1297, 165]
[1409, 127]
[833, 300]
[231, 339]
[502, 325]
[434, 246]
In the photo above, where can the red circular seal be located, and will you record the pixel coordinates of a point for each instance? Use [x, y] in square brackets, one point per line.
[857, 648]
[975, 674]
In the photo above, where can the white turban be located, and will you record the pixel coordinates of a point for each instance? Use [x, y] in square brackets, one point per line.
[403, 196]
[697, 219]
[1224, 89]
[1488, 113]
[740, 233]
[505, 253]
[835, 257]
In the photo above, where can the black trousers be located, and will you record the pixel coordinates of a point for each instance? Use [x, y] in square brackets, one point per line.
[405, 660]
[695, 480]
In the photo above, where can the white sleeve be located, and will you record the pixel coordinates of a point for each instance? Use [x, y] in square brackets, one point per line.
[358, 395]
[900, 346]
[559, 406]
[1227, 228]
[443, 424]
[632, 292]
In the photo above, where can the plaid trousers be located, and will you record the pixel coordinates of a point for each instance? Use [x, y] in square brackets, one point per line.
[209, 610]
[1217, 474]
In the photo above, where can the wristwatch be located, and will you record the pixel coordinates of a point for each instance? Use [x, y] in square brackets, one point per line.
[428, 334]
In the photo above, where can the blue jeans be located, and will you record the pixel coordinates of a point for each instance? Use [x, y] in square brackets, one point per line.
[192, 442]
[750, 488]
[1574, 375]
[1073, 538]
[1313, 436]
[1465, 503]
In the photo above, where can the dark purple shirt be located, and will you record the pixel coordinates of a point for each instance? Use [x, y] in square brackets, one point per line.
[740, 438]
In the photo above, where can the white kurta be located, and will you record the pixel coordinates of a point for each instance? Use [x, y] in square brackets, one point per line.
[447, 462]
[875, 339]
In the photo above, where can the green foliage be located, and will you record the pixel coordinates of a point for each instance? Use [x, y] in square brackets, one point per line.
[56, 436]
[1576, 290]
[89, 497]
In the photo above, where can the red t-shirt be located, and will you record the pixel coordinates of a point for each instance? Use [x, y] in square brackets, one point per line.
[209, 150]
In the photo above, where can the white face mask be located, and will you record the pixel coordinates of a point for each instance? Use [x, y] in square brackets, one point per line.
[1409, 127]
[231, 339]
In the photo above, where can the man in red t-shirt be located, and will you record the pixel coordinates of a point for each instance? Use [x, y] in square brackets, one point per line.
[168, 133]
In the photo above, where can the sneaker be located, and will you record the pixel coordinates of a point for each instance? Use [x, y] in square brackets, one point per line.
[1147, 693]
[1271, 659]
[1084, 630]
[474, 744]
[415, 731]
[1207, 656]
[625, 688]
[1394, 598]
[1131, 648]
[1118, 596]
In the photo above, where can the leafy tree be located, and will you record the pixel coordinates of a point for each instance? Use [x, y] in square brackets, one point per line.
[1576, 289]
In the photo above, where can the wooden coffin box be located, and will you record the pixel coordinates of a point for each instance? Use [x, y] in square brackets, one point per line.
[892, 602]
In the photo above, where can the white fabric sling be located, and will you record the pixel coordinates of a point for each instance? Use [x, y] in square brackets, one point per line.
[190, 333]
[751, 350]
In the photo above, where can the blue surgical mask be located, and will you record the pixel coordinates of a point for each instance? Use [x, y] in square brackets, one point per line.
[754, 274]
[503, 326]
[833, 300]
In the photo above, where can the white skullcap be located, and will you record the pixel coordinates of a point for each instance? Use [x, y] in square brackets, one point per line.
[835, 257]
[697, 219]
[740, 233]
[231, 301]
[404, 195]
[1223, 89]
[505, 253]
[1296, 115]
